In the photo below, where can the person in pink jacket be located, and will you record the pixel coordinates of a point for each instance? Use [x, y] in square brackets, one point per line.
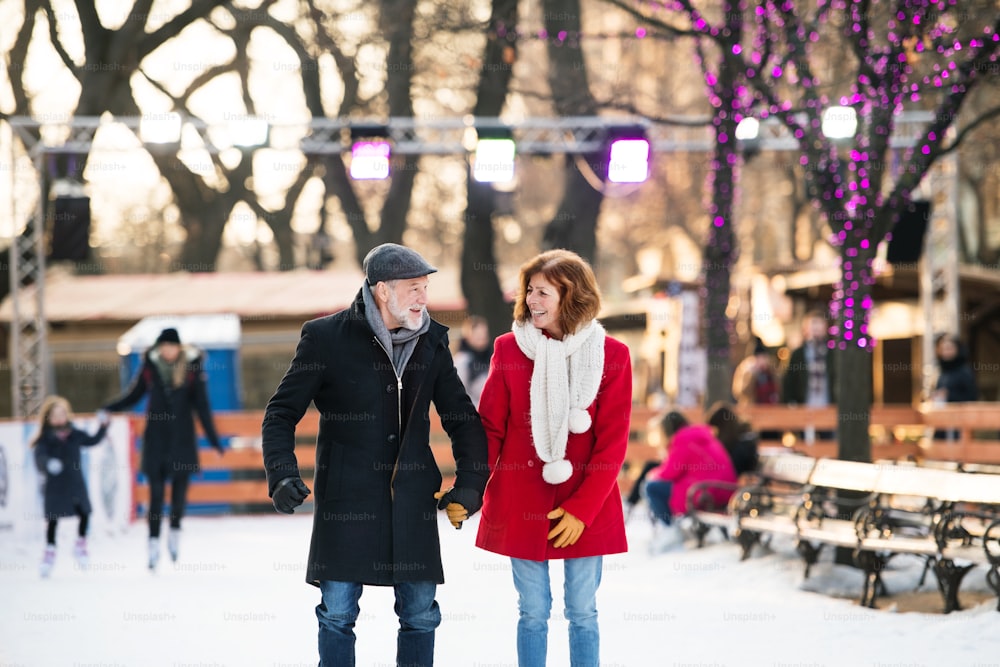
[694, 456]
[556, 408]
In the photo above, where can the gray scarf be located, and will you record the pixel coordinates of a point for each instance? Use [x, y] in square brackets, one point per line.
[402, 341]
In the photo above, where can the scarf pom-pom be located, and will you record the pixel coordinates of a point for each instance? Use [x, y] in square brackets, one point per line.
[579, 420]
[557, 472]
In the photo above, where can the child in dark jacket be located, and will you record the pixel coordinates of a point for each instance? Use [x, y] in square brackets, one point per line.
[57, 456]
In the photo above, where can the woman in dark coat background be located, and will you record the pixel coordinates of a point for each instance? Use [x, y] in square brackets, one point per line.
[956, 382]
[172, 376]
[57, 455]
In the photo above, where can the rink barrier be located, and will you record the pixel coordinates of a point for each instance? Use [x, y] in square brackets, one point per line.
[235, 482]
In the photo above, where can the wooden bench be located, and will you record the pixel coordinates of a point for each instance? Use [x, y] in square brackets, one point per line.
[826, 515]
[769, 504]
[949, 518]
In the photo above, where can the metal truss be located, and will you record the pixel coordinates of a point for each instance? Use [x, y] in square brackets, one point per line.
[31, 364]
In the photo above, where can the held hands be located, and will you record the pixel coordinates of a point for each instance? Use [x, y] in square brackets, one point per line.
[567, 531]
[289, 494]
[103, 417]
[459, 503]
[456, 513]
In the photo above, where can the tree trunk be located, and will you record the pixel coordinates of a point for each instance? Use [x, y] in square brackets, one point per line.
[204, 211]
[204, 239]
[721, 249]
[852, 306]
[574, 226]
[480, 283]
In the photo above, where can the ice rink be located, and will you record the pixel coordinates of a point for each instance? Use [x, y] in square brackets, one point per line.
[237, 598]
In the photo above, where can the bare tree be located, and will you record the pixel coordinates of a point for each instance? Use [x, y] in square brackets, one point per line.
[112, 57]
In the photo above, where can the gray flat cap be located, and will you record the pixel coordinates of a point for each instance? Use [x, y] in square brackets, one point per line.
[391, 261]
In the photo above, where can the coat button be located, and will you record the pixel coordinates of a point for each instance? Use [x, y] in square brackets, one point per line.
[389, 388]
[531, 464]
[392, 438]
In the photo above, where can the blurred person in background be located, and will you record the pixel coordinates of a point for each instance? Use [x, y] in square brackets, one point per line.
[171, 375]
[736, 435]
[57, 456]
[676, 421]
[811, 376]
[694, 456]
[956, 381]
[472, 359]
[755, 381]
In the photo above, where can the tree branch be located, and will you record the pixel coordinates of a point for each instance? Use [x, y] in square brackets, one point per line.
[94, 33]
[56, 44]
[346, 65]
[961, 134]
[125, 38]
[657, 23]
[199, 9]
[15, 62]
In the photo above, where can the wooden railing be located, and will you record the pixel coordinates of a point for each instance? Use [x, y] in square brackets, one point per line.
[236, 481]
[897, 431]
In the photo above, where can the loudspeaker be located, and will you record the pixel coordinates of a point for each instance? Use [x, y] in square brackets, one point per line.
[70, 228]
[907, 242]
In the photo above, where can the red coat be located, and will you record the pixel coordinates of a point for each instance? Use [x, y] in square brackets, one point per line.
[695, 456]
[517, 499]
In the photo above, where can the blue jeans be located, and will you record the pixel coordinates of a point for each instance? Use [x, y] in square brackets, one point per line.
[658, 496]
[531, 579]
[416, 608]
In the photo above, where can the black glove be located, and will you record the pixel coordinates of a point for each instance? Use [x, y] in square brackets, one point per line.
[289, 494]
[470, 499]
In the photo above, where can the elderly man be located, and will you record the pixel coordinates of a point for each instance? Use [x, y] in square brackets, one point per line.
[372, 371]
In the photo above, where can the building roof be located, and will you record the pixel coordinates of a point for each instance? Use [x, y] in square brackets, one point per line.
[298, 294]
[977, 283]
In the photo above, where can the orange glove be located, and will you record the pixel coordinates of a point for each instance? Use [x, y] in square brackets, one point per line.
[567, 531]
[456, 513]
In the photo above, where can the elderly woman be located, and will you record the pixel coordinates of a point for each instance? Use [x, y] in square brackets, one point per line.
[556, 409]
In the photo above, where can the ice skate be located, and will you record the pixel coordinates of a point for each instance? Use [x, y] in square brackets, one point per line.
[154, 552]
[174, 543]
[80, 553]
[48, 560]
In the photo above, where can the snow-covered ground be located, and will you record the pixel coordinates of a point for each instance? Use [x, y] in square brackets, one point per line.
[237, 598]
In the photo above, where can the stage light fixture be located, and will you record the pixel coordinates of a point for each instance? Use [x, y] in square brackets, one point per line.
[494, 161]
[370, 152]
[370, 160]
[839, 122]
[628, 154]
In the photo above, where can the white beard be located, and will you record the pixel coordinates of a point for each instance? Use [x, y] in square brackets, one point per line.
[404, 316]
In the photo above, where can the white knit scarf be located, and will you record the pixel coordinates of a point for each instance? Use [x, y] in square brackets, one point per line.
[564, 382]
